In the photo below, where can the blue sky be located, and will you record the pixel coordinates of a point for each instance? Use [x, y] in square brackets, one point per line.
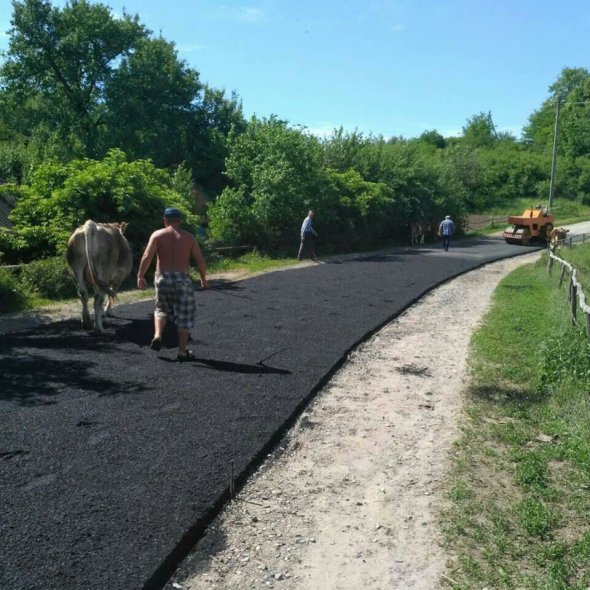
[386, 67]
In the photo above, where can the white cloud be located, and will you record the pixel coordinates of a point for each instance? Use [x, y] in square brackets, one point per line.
[190, 47]
[243, 14]
[252, 15]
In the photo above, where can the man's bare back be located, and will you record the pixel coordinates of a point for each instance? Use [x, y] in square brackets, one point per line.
[173, 249]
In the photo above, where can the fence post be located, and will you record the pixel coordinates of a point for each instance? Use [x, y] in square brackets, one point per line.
[562, 276]
[574, 303]
[588, 323]
[549, 264]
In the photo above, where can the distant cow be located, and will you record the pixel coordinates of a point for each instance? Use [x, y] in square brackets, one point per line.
[417, 232]
[557, 236]
[99, 255]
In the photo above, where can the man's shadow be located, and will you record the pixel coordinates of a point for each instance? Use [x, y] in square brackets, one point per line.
[141, 331]
[259, 368]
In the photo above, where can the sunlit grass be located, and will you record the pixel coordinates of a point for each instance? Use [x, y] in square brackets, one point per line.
[253, 262]
[520, 487]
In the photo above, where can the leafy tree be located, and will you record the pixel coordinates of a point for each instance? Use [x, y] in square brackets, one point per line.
[62, 197]
[572, 85]
[59, 63]
[433, 138]
[150, 103]
[275, 176]
[215, 116]
[77, 81]
[341, 150]
[480, 131]
[356, 212]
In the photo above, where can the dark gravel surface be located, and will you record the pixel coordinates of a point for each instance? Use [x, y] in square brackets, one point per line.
[113, 458]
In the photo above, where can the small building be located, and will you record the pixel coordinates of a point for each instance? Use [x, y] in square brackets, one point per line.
[7, 203]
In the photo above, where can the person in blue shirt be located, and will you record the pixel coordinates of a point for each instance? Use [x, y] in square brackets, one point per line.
[446, 230]
[308, 236]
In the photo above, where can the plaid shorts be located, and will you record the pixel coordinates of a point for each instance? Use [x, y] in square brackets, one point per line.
[175, 298]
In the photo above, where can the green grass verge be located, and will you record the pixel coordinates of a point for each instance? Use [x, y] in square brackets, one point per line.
[252, 262]
[518, 512]
[579, 258]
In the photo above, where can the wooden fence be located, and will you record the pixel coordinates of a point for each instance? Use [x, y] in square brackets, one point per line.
[575, 294]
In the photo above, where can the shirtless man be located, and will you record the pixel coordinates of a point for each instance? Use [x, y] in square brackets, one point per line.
[174, 289]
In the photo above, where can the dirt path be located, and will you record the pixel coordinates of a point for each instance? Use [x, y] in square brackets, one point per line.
[350, 499]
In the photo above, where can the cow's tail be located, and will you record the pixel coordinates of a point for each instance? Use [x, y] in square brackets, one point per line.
[89, 231]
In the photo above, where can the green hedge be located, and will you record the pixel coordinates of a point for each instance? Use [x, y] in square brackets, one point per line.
[12, 297]
[47, 278]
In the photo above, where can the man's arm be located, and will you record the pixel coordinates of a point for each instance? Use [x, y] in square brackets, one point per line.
[146, 260]
[200, 260]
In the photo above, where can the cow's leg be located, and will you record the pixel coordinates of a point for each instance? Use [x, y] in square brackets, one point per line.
[99, 303]
[108, 305]
[83, 293]
[86, 323]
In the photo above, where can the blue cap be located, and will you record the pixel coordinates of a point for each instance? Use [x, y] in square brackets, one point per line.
[171, 212]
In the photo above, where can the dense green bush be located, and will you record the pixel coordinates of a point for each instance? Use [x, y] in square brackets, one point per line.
[11, 296]
[61, 197]
[47, 278]
[275, 176]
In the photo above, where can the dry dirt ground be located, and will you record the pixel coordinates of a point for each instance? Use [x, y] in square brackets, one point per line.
[350, 499]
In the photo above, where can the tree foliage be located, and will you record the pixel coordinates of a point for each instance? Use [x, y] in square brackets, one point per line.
[76, 82]
[62, 197]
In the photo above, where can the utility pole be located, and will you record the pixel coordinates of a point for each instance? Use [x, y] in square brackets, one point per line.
[554, 156]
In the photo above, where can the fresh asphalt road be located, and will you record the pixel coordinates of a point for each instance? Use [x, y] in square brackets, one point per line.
[113, 457]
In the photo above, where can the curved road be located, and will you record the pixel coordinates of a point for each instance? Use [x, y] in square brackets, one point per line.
[114, 458]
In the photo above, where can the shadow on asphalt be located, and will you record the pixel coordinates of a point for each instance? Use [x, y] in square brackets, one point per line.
[258, 368]
[34, 380]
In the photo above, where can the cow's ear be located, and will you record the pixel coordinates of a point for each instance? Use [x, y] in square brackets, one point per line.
[123, 226]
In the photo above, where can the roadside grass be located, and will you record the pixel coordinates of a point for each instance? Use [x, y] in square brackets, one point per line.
[517, 514]
[252, 262]
[579, 258]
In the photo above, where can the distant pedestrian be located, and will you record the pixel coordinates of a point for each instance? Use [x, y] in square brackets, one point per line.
[446, 229]
[308, 236]
[175, 298]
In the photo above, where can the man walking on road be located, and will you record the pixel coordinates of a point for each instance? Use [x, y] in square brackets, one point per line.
[175, 298]
[446, 230]
[308, 236]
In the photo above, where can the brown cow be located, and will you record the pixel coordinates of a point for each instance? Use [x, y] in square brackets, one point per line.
[557, 237]
[99, 255]
[417, 231]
